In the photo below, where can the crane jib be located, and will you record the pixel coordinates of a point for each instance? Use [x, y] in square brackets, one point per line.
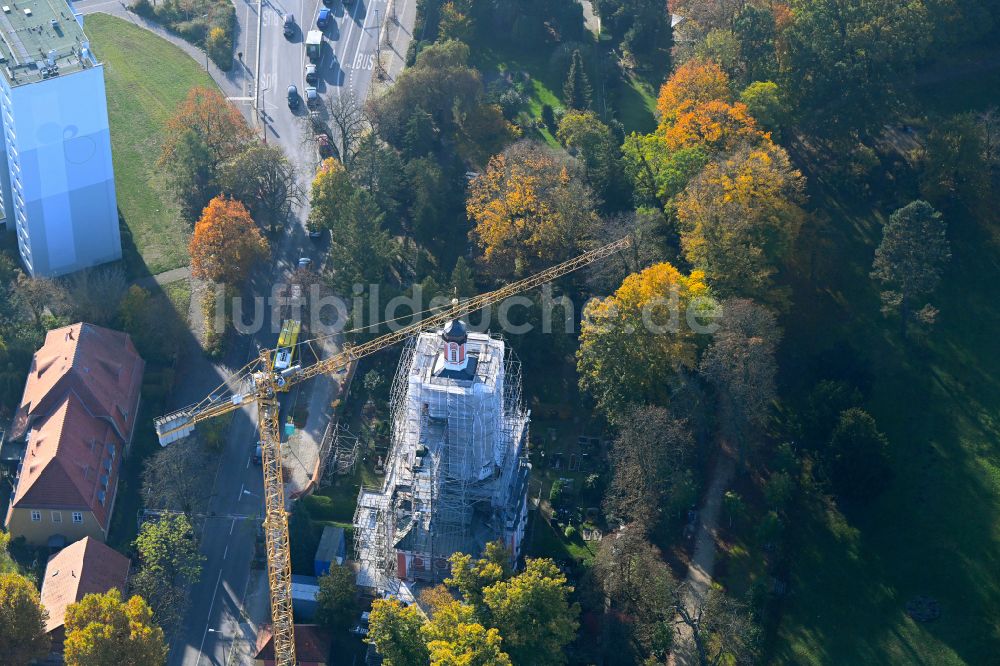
[263, 381]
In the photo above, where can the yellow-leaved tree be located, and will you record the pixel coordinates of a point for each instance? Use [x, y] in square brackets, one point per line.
[394, 629]
[22, 617]
[715, 125]
[634, 343]
[455, 637]
[531, 208]
[104, 630]
[698, 123]
[740, 217]
[330, 195]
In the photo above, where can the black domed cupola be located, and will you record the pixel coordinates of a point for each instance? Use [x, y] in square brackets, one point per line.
[455, 335]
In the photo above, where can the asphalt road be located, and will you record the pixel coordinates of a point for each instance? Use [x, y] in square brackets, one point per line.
[345, 67]
[216, 630]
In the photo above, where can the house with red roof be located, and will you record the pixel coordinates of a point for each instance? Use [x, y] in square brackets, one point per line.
[84, 567]
[77, 418]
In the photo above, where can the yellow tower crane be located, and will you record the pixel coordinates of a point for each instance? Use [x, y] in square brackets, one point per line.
[259, 382]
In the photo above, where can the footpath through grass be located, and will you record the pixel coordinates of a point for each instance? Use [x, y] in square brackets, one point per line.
[146, 77]
[936, 530]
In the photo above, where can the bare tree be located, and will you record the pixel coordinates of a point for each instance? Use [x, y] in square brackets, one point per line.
[647, 459]
[648, 241]
[96, 293]
[41, 297]
[316, 138]
[178, 477]
[265, 181]
[989, 121]
[740, 364]
[349, 123]
[637, 582]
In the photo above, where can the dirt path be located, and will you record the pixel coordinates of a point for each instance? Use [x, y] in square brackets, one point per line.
[699, 575]
[165, 277]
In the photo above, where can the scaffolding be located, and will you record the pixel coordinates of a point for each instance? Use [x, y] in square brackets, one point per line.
[338, 452]
[456, 475]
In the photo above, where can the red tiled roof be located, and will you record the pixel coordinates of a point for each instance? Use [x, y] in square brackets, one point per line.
[81, 568]
[79, 401]
[312, 643]
[100, 365]
[65, 462]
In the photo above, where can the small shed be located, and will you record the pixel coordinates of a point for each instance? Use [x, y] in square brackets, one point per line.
[332, 549]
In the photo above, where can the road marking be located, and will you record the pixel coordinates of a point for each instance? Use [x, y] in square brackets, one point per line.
[258, 116]
[364, 32]
[231, 516]
[225, 553]
[208, 619]
[242, 488]
[350, 28]
[232, 527]
[363, 61]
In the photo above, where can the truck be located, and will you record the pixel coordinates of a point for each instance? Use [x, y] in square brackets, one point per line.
[314, 45]
[287, 341]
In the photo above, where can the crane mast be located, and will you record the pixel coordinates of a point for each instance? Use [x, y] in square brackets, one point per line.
[258, 382]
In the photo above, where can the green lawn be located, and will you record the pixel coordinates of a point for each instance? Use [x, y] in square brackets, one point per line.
[542, 87]
[179, 293]
[936, 530]
[146, 78]
[636, 104]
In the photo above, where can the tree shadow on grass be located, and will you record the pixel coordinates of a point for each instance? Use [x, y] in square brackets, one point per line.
[932, 532]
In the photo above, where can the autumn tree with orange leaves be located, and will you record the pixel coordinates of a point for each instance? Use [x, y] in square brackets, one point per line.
[226, 244]
[698, 123]
[693, 83]
[214, 119]
[696, 110]
[531, 208]
[715, 125]
[204, 133]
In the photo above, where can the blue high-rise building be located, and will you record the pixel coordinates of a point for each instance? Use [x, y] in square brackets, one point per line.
[58, 181]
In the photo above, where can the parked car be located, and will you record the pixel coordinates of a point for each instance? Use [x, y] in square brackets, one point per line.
[315, 234]
[258, 455]
[323, 19]
[293, 97]
[324, 146]
[312, 97]
[311, 76]
[288, 26]
[305, 263]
